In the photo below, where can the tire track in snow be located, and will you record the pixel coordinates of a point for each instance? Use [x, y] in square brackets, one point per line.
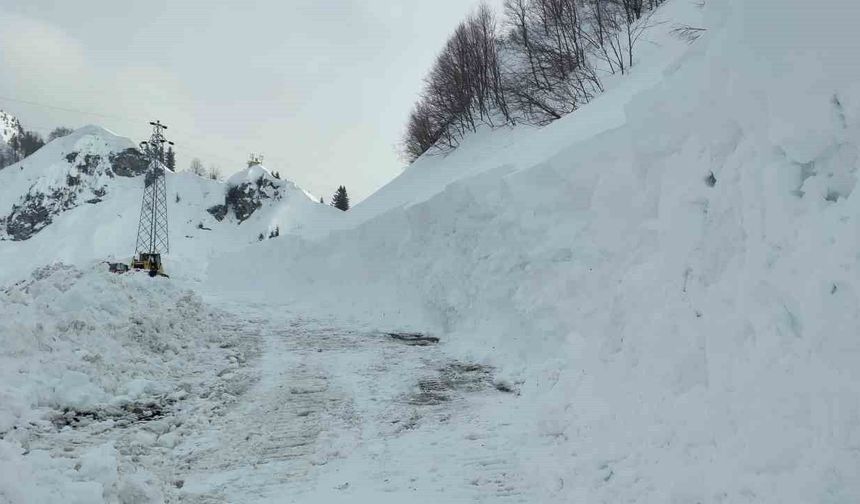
[267, 445]
[327, 393]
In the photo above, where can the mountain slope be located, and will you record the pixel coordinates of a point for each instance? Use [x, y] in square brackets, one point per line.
[64, 174]
[77, 200]
[675, 296]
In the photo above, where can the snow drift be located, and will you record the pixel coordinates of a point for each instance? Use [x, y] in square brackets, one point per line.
[86, 349]
[675, 292]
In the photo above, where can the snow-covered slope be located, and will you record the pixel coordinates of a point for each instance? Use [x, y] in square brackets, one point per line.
[78, 200]
[670, 275]
[273, 205]
[68, 172]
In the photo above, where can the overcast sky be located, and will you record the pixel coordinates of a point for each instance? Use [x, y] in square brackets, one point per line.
[322, 88]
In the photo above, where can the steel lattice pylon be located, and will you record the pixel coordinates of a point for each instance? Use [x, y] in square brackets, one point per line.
[152, 231]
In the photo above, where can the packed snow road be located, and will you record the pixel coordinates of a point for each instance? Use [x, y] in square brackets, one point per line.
[342, 414]
[221, 401]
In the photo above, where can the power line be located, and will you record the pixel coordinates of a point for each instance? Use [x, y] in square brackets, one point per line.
[64, 109]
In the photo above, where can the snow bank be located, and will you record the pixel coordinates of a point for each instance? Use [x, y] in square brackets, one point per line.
[675, 295]
[76, 345]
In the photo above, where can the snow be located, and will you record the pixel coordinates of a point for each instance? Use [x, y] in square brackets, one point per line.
[91, 342]
[9, 126]
[107, 230]
[677, 342]
[524, 146]
[296, 212]
[250, 175]
[48, 168]
[653, 299]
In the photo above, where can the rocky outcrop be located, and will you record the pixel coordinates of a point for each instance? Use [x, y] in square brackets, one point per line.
[246, 198]
[218, 211]
[128, 163]
[34, 213]
[85, 182]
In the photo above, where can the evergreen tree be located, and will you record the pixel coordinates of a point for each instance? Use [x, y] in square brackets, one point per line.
[340, 200]
[322, 200]
[8, 156]
[170, 159]
[59, 132]
[26, 143]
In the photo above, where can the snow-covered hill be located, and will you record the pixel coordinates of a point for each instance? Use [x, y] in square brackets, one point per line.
[78, 200]
[68, 172]
[670, 274]
[273, 206]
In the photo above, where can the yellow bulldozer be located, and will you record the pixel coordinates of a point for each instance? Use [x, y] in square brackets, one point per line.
[149, 262]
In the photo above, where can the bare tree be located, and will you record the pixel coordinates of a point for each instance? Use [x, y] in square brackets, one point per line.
[196, 167]
[617, 26]
[214, 172]
[422, 132]
[463, 89]
[549, 73]
[547, 63]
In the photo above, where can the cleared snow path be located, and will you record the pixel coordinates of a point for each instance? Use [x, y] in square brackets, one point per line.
[267, 443]
[219, 401]
[352, 415]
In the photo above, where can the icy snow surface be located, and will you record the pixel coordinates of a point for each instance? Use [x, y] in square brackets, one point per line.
[653, 300]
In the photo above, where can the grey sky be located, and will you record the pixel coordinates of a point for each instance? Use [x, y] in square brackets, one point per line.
[322, 88]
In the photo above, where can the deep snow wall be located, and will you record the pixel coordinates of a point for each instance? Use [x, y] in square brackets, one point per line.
[678, 296]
